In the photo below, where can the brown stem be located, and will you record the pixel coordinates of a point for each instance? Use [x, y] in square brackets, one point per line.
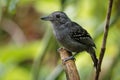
[69, 66]
[103, 48]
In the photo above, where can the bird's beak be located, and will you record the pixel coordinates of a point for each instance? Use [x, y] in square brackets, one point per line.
[47, 18]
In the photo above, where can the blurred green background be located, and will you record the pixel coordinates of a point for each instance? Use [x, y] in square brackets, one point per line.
[28, 49]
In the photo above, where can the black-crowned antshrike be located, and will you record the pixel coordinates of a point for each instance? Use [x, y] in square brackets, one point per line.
[71, 35]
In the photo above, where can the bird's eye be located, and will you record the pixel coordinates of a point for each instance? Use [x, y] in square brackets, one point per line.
[57, 16]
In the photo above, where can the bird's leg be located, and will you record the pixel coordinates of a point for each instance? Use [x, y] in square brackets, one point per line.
[72, 57]
[69, 58]
[70, 54]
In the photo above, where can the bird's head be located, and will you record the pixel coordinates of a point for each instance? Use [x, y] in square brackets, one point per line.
[57, 17]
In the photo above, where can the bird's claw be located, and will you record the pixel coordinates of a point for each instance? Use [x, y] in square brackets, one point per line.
[69, 58]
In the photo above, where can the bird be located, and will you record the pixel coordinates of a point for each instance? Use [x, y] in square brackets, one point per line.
[71, 35]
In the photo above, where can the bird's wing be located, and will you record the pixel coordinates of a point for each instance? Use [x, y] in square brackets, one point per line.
[77, 33]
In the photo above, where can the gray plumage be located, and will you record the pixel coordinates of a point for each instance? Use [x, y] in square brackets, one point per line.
[71, 35]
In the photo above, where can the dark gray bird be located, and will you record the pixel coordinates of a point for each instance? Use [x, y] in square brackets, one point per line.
[71, 35]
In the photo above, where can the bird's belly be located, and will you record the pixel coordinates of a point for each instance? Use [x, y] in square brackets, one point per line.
[71, 45]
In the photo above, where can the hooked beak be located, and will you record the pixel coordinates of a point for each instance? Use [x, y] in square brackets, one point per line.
[47, 18]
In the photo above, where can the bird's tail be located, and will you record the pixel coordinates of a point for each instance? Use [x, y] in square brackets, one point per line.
[93, 56]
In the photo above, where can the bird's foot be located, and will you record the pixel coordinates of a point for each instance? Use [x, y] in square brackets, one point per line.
[63, 48]
[69, 58]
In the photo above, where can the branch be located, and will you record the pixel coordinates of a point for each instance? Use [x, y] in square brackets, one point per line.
[69, 66]
[103, 48]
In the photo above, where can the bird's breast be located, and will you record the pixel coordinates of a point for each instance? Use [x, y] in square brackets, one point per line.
[61, 36]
